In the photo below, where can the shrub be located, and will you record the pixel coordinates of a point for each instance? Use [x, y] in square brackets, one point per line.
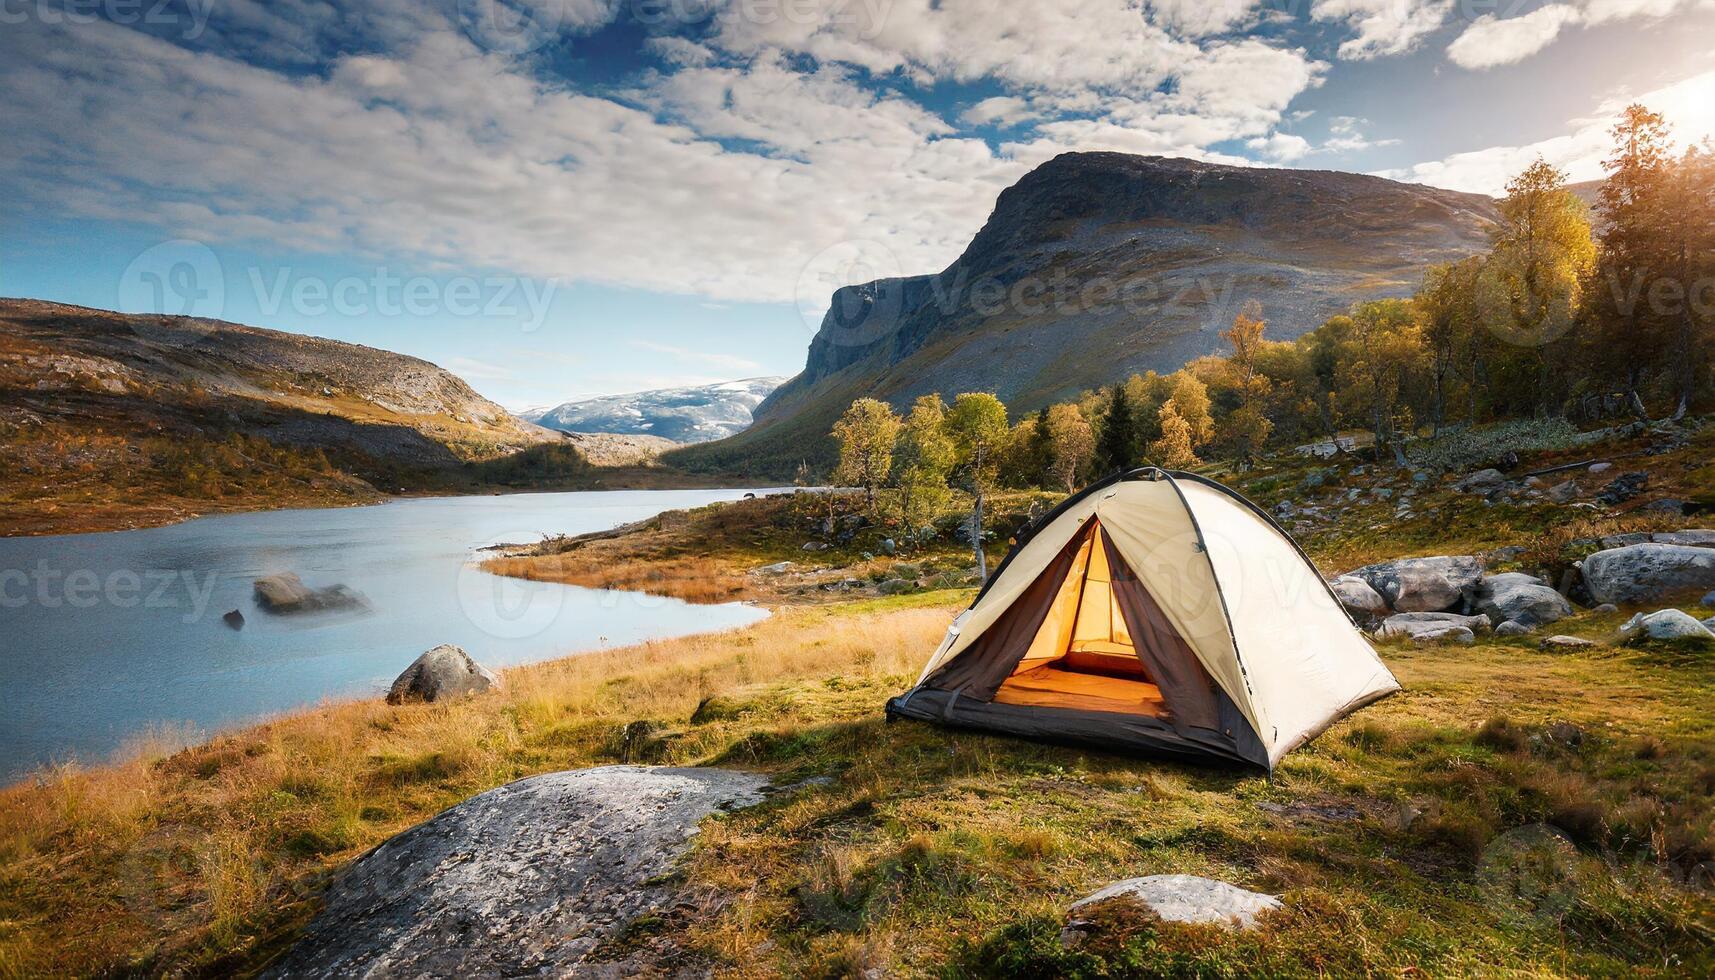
[1467, 449]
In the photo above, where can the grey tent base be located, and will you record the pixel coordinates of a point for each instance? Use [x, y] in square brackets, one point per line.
[1107, 731]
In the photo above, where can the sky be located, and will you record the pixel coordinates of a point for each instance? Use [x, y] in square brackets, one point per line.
[558, 199]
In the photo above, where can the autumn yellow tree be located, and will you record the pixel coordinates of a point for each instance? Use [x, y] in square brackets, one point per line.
[922, 460]
[866, 433]
[1380, 345]
[1071, 443]
[1247, 426]
[1185, 422]
[977, 426]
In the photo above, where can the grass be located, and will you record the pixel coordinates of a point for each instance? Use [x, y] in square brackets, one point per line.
[928, 852]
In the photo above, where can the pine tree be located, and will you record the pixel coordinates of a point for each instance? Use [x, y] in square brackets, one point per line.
[1114, 446]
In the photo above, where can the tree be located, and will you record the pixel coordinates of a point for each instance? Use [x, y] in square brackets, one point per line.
[1185, 422]
[1071, 442]
[923, 458]
[977, 425]
[1114, 449]
[1690, 260]
[1541, 253]
[866, 433]
[1246, 426]
[1447, 310]
[1381, 345]
[1632, 204]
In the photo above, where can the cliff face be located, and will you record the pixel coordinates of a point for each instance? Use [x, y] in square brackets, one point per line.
[695, 413]
[1097, 265]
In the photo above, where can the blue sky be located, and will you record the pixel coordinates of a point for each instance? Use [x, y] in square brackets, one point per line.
[563, 198]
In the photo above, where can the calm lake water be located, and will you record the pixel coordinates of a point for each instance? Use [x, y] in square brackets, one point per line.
[104, 636]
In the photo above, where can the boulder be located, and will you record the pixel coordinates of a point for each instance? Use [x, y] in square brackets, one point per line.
[1691, 537]
[444, 672]
[814, 546]
[1562, 642]
[1643, 573]
[1423, 584]
[1665, 505]
[287, 593]
[778, 568]
[1513, 628]
[1520, 598]
[1481, 481]
[1623, 488]
[1666, 624]
[528, 879]
[1183, 898]
[1413, 624]
[1605, 609]
[1363, 602]
[1601, 467]
[1460, 635]
[1563, 493]
[1623, 540]
[234, 619]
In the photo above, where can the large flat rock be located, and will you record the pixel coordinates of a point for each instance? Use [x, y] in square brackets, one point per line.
[526, 879]
[1646, 573]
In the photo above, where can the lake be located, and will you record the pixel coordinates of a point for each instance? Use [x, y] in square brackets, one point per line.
[104, 636]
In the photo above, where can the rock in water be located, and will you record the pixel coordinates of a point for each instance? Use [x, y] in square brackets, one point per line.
[444, 672]
[1643, 573]
[525, 880]
[1520, 598]
[234, 619]
[287, 593]
[1184, 898]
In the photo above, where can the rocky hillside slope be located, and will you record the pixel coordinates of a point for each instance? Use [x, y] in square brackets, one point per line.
[103, 410]
[1097, 265]
[683, 415]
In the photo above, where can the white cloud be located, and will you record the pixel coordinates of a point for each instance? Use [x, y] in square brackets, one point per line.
[1201, 18]
[1001, 110]
[1281, 147]
[1384, 27]
[678, 51]
[1579, 151]
[726, 362]
[1488, 41]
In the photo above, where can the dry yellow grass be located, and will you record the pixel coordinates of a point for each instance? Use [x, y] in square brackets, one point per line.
[691, 579]
[208, 858]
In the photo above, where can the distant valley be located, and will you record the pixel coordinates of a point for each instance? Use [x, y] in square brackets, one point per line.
[694, 414]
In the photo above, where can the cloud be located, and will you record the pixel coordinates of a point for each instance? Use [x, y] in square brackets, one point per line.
[1490, 41]
[1579, 151]
[1384, 27]
[1201, 18]
[1281, 147]
[726, 362]
[727, 170]
[1001, 110]
[1346, 135]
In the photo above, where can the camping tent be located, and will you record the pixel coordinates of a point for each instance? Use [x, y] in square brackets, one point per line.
[1154, 611]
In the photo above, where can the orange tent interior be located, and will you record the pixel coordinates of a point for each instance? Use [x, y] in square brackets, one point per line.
[1083, 656]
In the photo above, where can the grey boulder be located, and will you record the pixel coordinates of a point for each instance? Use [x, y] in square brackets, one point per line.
[1423, 584]
[1362, 601]
[1563, 642]
[1458, 635]
[287, 593]
[1480, 481]
[1520, 598]
[1183, 898]
[1695, 537]
[1413, 624]
[1642, 573]
[444, 672]
[525, 880]
[1513, 628]
[1563, 493]
[1666, 624]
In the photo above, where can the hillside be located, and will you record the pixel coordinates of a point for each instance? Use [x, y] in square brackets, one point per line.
[684, 415]
[1097, 265]
[134, 419]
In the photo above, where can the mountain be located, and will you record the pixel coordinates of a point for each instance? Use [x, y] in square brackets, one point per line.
[1097, 265]
[151, 418]
[682, 415]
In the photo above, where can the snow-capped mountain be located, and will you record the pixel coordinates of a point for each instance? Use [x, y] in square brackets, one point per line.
[684, 415]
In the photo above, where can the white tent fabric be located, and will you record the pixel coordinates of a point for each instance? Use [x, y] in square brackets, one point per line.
[1251, 607]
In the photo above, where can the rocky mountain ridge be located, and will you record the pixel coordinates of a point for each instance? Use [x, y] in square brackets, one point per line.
[1097, 265]
[697, 413]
